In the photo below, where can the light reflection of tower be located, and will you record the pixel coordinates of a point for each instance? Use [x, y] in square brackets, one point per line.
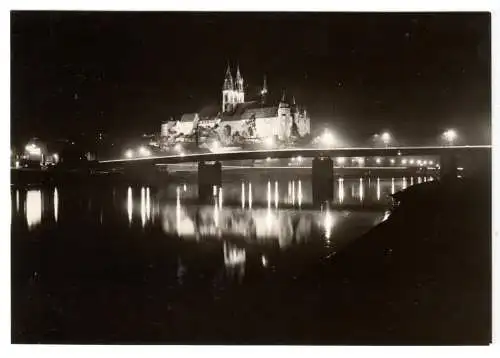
[300, 193]
[405, 184]
[242, 195]
[361, 189]
[56, 204]
[17, 200]
[143, 206]
[411, 180]
[216, 214]
[148, 204]
[341, 190]
[293, 192]
[289, 196]
[220, 198]
[276, 195]
[250, 195]
[425, 179]
[234, 259]
[129, 204]
[33, 207]
[392, 186]
[269, 194]
[328, 224]
[419, 180]
[178, 211]
[378, 188]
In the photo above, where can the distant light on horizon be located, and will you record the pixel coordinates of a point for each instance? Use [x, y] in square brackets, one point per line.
[144, 151]
[327, 138]
[129, 153]
[450, 135]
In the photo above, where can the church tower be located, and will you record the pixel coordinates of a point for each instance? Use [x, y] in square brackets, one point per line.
[263, 91]
[240, 92]
[228, 92]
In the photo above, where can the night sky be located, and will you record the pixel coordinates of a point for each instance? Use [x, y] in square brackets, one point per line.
[125, 73]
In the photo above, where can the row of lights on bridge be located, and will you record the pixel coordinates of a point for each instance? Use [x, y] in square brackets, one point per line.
[326, 139]
[341, 160]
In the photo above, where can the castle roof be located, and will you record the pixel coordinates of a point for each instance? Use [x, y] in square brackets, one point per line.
[242, 111]
[188, 117]
[248, 109]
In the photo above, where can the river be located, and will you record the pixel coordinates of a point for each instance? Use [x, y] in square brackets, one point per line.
[137, 263]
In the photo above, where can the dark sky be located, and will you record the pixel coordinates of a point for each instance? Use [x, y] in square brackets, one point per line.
[413, 74]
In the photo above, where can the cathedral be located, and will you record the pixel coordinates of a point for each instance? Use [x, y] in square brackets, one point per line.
[236, 119]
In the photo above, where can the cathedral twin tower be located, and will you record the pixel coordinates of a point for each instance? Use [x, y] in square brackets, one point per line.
[232, 91]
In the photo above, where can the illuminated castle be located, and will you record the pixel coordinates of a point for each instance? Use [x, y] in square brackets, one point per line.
[235, 117]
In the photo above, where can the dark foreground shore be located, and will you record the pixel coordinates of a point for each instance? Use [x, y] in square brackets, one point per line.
[421, 277]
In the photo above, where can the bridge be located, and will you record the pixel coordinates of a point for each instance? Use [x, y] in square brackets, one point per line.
[210, 169]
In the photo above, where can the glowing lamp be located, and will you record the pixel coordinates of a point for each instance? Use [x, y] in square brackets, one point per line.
[145, 152]
[327, 138]
[450, 135]
[129, 153]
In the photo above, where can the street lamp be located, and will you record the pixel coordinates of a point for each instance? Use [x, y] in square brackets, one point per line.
[145, 152]
[450, 135]
[129, 153]
[327, 138]
[386, 138]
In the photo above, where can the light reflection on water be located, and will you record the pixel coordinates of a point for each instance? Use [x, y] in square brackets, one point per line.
[56, 204]
[258, 212]
[33, 207]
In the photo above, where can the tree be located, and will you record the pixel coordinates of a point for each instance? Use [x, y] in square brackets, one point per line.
[251, 128]
[227, 130]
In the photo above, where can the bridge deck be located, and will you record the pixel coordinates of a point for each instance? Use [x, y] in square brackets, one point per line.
[303, 152]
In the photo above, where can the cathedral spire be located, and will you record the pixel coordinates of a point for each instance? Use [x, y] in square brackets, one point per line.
[283, 96]
[264, 87]
[228, 79]
[239, 79]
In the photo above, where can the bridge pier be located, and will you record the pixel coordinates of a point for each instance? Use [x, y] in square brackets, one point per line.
[448, 165]
[322, 179]
[208, 176]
